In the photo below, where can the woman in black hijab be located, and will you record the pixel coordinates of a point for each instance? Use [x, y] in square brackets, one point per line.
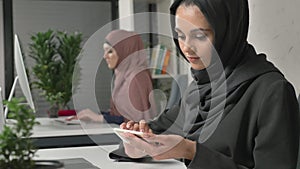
[239, 111]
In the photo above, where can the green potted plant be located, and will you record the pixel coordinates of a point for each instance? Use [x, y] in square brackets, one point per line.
[17, 149]
[55, 54]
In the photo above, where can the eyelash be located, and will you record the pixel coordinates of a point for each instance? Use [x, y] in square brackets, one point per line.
[201, 38]
[180, 37]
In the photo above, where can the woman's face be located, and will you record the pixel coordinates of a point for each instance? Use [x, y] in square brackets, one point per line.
[195, 36]
[110, 55]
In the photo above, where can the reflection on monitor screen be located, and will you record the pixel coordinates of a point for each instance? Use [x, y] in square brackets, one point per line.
[21, 76]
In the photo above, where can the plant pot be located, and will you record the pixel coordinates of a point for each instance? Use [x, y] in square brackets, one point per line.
[53, 112]
[48, 164]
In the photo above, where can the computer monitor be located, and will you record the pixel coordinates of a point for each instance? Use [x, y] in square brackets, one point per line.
[2, 118]
[21, 77]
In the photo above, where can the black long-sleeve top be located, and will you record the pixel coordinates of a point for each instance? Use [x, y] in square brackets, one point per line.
[260, 130]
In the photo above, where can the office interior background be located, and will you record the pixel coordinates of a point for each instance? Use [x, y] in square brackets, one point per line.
[274, 30]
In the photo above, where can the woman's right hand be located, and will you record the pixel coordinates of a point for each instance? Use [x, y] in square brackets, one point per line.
[89, 115]
[142, 126]
[136, 126]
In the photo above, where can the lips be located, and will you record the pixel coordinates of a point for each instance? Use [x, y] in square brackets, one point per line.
[193, 58]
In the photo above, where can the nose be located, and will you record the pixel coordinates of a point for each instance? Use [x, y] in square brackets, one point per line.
[187, 47]
[105, 55]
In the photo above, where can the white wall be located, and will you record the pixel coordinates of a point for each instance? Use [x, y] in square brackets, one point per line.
[125, 12]
[274, 27]
[30, 17]
[275, 30]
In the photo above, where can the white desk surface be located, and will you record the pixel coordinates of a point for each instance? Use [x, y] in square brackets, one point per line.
[49, 127]
[98, 156]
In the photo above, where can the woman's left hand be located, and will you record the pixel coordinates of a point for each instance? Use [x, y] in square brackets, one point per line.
[165, 146]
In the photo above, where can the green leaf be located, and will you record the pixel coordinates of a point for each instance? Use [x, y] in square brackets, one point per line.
[17, 149]
[55, 54]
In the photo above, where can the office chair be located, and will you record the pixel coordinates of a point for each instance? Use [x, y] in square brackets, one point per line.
[179, 84]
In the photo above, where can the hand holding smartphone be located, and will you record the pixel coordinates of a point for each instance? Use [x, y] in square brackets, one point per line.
[119, 133]
[138, 134]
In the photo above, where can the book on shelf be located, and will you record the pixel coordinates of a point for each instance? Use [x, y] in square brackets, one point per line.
[166, 62]
[153, 60]
[160, 59]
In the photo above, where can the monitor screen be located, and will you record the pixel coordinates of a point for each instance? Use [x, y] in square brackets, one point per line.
[21, 77]
[21, 73]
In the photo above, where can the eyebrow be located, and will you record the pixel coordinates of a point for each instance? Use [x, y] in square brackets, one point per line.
[195, 30]
[107, 43]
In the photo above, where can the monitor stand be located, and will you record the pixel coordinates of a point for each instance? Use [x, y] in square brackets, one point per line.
[49, 164]
[11, 94]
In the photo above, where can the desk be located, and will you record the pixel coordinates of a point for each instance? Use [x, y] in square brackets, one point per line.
[52, 134]
[98, 156]
[49, 127]
[55, 133]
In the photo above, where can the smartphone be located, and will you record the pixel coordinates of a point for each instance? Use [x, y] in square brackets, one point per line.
[119, 132]
[138, 134]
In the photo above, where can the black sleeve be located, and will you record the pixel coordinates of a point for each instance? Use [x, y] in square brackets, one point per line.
[277, 139]
[112, 119]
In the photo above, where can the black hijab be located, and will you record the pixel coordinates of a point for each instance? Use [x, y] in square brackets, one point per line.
[235, 64]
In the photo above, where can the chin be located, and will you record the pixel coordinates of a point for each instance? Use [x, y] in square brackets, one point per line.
[198, 67]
